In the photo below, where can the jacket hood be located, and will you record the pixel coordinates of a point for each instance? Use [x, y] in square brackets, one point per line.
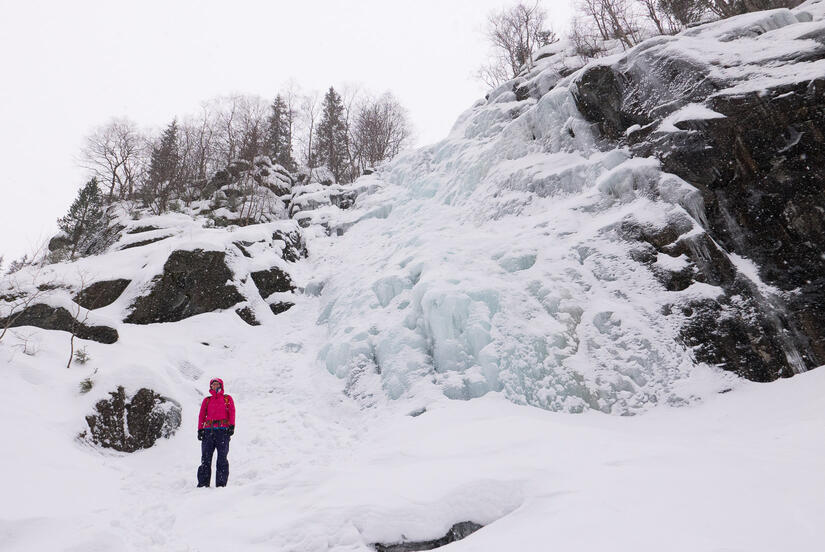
[220, 391]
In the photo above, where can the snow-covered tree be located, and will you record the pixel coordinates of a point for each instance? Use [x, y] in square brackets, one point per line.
[86, 220]
[163, 170]
[331, 141]
[279, 134]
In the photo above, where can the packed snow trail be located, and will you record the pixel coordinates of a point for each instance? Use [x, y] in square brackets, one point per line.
[293, 423]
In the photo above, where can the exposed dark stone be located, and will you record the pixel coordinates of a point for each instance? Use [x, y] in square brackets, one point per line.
[242, 247]
[522, 91]
[734, 333]
[344, 199]
[87, 246]
[192, 282]
[247, 316]
[639, 89]
[271, 281]
[282, 306]
[101, 294]
[135, 424]
[759, 168]
[48, 287]
[60, 241]
[238, 166]
[456, 533]
[141, 229]
[58, 318]
[142, 243]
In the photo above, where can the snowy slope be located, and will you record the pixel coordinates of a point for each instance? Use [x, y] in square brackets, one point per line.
[489, 266]
[312, 472]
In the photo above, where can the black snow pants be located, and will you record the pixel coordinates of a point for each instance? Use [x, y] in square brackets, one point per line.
[214, 438]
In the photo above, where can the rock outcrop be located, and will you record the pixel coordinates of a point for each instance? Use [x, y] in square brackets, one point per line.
[57, 318]
[272, 281]
[128, 424]
[192, 282]
[456, 533]
[758, 159]
[101, 294]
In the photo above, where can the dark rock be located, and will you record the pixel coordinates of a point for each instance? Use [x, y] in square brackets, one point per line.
[142, 243]
[192, 282]
[282, 306]
[141, 229]
[242, 247]
[295, 248]
[522, 91]
[759, 169]
[736, 334]
[641, 88]
[343, 199]
[90, 245]
[238, 166]
[101, 294]
[131, 425]
[247, 316]
[60, 241]
[271, 281]
[456, 533]
[58, 318]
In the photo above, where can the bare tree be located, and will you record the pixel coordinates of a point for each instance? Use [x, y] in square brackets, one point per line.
[197, 153]
[614, 19]
[351, 96]
[17, 295]
[79, 318]
[515, 34]
[309, 113]
[662, 18]
[116, 154]
[381, 130]
[586, 39]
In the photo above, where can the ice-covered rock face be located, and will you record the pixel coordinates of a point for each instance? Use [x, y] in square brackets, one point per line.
[533, 253]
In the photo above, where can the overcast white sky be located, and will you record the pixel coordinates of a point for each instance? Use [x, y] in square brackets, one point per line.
[68, 66]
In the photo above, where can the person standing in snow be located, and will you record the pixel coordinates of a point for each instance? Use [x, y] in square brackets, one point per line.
[216, 424]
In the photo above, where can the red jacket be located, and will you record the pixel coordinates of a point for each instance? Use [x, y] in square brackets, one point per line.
[217, 410]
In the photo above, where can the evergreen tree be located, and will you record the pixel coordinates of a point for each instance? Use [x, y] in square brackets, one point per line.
[163, 169]
[252, 144]
[85, 220]
[279, 136]
[331, 145]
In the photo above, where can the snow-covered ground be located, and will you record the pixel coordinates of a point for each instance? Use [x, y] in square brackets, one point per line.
[490, 267]
[311, 471]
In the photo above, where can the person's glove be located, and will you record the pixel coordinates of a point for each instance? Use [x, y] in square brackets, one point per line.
[200, 435]
[231, 431]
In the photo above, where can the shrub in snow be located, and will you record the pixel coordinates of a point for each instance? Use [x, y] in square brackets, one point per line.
[81, 356]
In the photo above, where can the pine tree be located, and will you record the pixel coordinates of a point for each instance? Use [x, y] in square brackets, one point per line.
[252, 144]
[279, 134]
[85, 220]
[163, 169]
[331, 147]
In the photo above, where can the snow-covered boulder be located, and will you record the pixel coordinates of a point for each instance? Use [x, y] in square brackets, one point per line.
[192, 282]
[128, 424]
[101, 294]
[49, 317]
